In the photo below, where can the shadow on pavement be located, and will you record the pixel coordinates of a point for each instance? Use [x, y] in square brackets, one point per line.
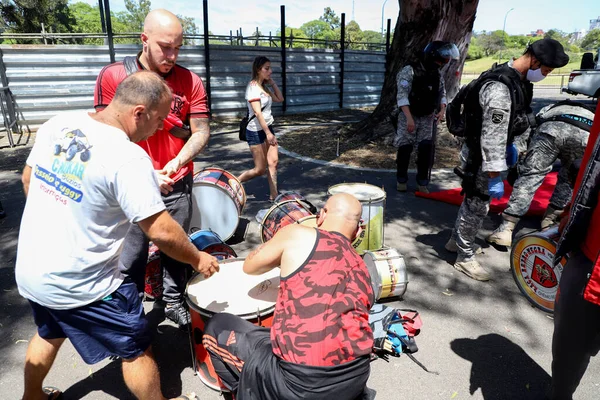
[501, 368]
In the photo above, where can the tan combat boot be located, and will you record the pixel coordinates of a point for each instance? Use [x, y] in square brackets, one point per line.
[503, 234]
[472, 269]
[551, 217]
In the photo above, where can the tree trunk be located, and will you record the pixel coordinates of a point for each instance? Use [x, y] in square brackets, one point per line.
[420, 22]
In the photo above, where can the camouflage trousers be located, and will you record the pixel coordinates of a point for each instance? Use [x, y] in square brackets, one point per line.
[543, 151]
[471, 214]
[423, 130]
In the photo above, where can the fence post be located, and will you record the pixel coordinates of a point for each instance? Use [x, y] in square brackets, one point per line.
[283, 63]
[256, 42]
[9, 104]
[387, 36]
[342, 46]
[231, 37]
[109, 31]
[241, 37]
[206, 51]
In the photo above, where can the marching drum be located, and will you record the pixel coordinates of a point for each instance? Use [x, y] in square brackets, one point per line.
[388, 273]
[153, 279]
[372, 199]
[218, 199]
[295, 196]
[211, 243]
[532, 266]
[251, 297]
[283, 214]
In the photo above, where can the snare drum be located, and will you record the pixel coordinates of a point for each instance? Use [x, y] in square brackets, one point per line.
[218, 199]
[211, 243]
[388, 273]
[283, 214]
[532, 266]
[251, 297]
[153, 279]
[372, 199]
[295, 196]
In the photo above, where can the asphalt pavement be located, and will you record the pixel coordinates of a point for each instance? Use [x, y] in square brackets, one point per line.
[481, 340]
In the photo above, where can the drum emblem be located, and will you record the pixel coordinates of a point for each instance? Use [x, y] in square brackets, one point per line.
[543, 274]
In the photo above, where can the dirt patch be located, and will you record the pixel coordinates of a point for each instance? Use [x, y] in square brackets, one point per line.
[333, 143]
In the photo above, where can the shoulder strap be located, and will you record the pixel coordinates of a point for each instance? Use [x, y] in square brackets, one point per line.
[130, 64]
[575, 120]
[252, 117]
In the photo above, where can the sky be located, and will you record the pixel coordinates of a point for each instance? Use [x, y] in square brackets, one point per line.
[526, 16]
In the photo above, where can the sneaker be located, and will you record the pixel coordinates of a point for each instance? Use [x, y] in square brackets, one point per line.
[453, 248]
[422, 189]
[401, 187]
[472, 269]
[178, 313]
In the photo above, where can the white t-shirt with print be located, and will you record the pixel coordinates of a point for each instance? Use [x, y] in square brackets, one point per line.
[255, 93]
[89, 182]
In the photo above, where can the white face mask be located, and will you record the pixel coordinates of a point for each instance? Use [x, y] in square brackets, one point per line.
[535, 75]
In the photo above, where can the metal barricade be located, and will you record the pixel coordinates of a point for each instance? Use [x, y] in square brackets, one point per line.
[8, 109]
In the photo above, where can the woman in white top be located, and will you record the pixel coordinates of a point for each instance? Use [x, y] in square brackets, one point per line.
[261, 92]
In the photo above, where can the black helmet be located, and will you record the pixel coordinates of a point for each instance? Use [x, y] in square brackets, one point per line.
[549, 52]
[441, 52]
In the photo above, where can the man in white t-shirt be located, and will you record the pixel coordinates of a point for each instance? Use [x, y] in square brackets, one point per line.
[86, 182]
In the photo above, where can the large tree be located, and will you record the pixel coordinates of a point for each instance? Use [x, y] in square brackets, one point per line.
[420, 22]
[27, 16]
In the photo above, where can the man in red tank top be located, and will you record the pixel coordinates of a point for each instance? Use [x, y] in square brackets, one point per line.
[172, 149]
[320, 343]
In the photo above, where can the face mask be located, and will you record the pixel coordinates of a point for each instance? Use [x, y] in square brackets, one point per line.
[535, 75]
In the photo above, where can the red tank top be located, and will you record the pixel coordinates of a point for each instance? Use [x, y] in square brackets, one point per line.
[322, 311]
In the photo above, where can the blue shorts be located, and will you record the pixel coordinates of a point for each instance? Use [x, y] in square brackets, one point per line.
[253, 138]
[113, 326]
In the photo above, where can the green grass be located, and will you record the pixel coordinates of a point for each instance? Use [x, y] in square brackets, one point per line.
[483, 64]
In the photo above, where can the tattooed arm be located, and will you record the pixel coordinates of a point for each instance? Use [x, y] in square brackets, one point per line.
[195, 144]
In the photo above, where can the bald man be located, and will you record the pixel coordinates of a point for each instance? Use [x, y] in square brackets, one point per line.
[171, 149]
[86, 183]
[320, 342]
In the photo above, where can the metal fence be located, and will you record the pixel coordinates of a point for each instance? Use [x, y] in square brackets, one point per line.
[47, 79]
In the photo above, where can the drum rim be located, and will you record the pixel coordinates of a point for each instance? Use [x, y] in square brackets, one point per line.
[233, 176]
[274, 206]
[371, 200]
[514, 271]
[225, 191]
[207, 313]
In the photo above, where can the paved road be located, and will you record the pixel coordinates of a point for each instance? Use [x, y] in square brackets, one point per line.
[484, 339]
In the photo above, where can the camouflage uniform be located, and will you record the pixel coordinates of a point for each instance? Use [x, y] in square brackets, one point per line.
[551, 140]
[423, 124]
[495, 101]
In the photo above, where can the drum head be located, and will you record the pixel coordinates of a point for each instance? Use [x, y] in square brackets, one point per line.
[281, 215]
[532, 267]
[214, 209]
[362, 191]
[233, 291]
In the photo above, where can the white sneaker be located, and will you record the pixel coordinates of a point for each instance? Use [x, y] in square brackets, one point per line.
[401, 187]
[472, 269]
[453, 248]
[422, 189]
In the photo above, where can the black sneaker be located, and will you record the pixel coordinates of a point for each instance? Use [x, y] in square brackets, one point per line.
[178, 313]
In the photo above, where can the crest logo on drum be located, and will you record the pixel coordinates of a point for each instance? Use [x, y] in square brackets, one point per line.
[543, 274]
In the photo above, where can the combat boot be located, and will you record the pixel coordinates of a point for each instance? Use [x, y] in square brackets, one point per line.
[503, 234]
[551, 217]
[452, 247]
[472, 269]
[401, 187]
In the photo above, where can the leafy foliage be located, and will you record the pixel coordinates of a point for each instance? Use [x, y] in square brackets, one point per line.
[591, 41]
[26, 16]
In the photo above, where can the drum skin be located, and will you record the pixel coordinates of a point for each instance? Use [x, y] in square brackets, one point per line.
[251, 297]
[531, 264]
[388, 273]
[372, 199]
[218, 199]
[284, 214]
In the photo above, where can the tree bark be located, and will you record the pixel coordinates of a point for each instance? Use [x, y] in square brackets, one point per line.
[419, 23]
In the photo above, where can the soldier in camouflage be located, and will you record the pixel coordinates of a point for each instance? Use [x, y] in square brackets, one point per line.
[498, 110]
[562, 134]
[421, 98]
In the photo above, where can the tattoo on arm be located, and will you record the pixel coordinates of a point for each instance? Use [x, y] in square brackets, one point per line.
[197, 142]
[255, 252]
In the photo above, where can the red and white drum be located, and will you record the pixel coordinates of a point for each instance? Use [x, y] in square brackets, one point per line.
[532, 266]
[153, 280]
[218, 199]
[283, 214]
[251, 297]
[388, 272]
[291, 195]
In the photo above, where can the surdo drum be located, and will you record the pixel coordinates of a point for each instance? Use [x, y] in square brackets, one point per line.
[283, 214]
[153, 278]
[251, 297]
[291, 195]
[532, 266]
[372, 199]
[388, 272]
[218, 199]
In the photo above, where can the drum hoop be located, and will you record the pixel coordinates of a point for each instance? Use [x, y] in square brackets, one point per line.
[370, 200]
[207, 313]
[275, 206]
[222, 189]
[243, 205]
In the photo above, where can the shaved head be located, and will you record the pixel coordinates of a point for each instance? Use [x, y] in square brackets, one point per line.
[161, 19]
[345, 206]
